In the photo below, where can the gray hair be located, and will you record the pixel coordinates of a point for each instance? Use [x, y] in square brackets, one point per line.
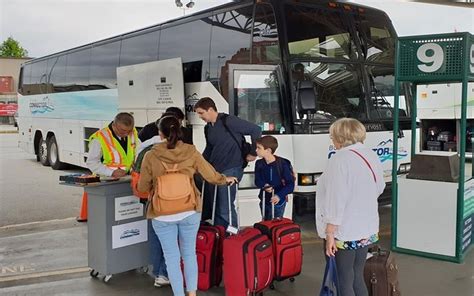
[125, 119]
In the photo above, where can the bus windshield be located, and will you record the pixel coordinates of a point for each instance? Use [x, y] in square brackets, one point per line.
[348, 56]
[376, 37]
[317, 32]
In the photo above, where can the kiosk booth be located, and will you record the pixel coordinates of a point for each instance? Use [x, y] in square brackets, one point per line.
[433, 205]
[117, 229]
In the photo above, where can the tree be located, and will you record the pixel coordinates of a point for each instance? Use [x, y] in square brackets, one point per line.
[12, 48]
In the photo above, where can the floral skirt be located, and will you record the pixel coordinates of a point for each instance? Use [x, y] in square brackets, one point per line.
[357, 244]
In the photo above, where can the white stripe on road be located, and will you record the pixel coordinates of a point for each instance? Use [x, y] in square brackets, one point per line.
[7, 227]
[44, 274]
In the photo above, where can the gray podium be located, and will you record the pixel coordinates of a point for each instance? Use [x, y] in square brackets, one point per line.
[117, 229]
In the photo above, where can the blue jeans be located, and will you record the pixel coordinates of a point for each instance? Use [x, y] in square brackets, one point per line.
[222, 203]
[156, 253]
[185, 231]
[278, 213]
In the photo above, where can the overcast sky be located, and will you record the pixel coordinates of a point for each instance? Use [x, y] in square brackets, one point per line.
[47, 26]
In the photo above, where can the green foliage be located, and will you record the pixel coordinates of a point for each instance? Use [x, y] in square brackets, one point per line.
[12, 48]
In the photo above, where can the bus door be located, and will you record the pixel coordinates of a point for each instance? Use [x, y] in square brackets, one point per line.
[255, 95]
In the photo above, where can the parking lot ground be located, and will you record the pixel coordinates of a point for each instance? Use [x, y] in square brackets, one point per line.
[50, 258]
[43, 250]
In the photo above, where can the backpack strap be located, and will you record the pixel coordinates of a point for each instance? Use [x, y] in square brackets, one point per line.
[279, 166]
[366, 162]
[224, 122]
[206, 132]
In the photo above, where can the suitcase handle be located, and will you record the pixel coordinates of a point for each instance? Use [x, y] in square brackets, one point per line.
[263, 205]
[237, 208]
[228, 202]
[213, 201]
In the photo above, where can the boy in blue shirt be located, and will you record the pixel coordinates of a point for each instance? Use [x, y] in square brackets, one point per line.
[273, 175]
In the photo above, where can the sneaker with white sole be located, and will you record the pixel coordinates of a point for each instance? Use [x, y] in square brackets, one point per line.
[161, 281]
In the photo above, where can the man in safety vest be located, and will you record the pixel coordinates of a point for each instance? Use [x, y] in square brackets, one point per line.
[112, 149]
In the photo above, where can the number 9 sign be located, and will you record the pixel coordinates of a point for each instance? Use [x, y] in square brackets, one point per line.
[432, 62]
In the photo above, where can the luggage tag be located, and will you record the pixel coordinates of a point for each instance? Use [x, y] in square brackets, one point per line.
[232, 230]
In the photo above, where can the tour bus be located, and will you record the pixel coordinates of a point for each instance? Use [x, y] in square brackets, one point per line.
[291, 67]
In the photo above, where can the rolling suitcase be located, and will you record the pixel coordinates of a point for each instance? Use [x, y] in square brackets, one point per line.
[285, 236]
[248, 262]
[209, 244]
[381, 273]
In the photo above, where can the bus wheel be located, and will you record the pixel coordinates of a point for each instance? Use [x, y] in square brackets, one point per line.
[43, 152]
[53, 154]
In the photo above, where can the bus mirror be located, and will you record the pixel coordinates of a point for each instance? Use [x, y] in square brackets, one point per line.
[307, 98]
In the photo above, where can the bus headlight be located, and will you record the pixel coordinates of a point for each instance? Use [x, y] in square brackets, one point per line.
[308, 179]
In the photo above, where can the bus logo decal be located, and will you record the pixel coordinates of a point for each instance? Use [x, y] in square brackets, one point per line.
[40, 107]
[384, 151]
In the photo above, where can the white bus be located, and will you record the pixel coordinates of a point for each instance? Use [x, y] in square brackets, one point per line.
[292, 67]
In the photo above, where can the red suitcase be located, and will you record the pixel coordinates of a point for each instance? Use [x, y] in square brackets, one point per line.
[285, 236]
[209, 256]
[209, 244]
[248, 262]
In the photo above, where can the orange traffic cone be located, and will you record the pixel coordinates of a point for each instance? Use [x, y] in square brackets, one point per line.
[83, 213]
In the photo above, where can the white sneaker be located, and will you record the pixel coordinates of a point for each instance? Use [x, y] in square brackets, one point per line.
[161, 281]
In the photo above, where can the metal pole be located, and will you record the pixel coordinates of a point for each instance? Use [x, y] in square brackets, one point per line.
[462, 150]
[395, 147]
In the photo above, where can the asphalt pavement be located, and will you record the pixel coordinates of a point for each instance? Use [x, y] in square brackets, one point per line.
[30, 192]
[43, 250]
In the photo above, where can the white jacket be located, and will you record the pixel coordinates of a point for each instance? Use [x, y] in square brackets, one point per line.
[346, 194]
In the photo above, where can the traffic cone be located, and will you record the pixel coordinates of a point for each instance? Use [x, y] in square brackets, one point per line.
[83, 213]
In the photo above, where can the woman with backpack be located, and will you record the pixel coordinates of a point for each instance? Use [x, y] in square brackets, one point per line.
[168, 170]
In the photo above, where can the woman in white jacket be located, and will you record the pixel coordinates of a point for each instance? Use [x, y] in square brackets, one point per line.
[346, 203]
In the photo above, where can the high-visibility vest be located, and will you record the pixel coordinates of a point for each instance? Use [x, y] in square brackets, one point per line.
[112, 152]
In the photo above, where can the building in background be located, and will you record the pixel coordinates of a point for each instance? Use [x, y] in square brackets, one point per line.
[9, 74]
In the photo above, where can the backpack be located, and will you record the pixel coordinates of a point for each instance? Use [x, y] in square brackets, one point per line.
[174, 192]
[135, 174]
[280, 161]
[279, 166]
[244, 146]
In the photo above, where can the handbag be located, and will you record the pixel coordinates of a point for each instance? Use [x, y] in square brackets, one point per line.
[330, 285]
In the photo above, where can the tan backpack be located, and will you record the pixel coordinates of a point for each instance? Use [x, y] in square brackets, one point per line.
[174, 192]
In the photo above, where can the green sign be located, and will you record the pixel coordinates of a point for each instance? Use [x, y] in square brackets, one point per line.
[435, 57]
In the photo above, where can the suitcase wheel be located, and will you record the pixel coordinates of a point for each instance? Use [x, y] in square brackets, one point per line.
[272, 286]
[292, 279]
[107, 278]
[94, 273]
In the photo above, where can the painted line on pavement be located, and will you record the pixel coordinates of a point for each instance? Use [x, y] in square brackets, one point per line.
[44, 274]
[7, 227]
[8, 132]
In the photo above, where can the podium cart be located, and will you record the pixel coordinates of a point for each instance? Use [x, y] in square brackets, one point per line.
[433, 205]
[117, 229]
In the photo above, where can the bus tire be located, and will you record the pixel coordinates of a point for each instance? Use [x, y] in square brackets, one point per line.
[43, 152]
[53, 154]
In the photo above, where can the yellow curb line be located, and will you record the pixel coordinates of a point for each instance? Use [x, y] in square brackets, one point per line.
[8, 132]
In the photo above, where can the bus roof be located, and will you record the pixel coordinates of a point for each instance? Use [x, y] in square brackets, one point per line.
[171, 22]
